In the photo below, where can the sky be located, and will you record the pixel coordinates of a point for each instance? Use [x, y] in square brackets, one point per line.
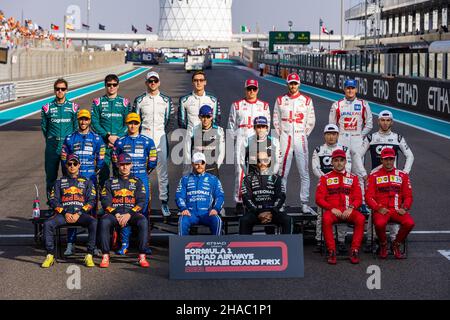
[119, 15]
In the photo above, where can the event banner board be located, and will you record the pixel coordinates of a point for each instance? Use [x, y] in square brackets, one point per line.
[236, 257]
[7, 92]
[425, 96]
[288, 38]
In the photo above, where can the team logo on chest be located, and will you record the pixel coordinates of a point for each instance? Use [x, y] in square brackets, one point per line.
[332, 181]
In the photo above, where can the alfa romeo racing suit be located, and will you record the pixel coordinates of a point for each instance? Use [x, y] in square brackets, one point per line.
[71, 195]
[108, 118]
[263, 192]
[321, 165]
[294, 120]
[57, 122]
[340, 190]
[200, 193]
[189, 108]
[391, 190]
[254, 145]
[123, 196]
[145, 158]
[242, 115]
[156, 113]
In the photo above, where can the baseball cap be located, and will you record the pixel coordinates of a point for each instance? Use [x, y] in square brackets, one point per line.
[387, 153]
[84, 114]
[350, 83]
[152, 74]
[339, 153]
[198, 157]
[251, 83]
[205, 111]
[124, 158]
[386, 114]
[133, 117]
[261, 120]
[73, 157]
[293, 77]
[331, 128]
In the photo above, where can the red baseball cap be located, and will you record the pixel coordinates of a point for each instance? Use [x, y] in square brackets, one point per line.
[387, 153]
[251, 83]
[339, 153]
[293, 77]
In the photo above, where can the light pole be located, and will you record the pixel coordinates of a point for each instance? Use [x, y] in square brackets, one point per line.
[342, 24]
[88, 25]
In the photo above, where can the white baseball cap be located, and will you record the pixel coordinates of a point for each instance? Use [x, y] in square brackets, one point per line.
[331, 128]
[198, 157]
[386, 114]
[152, 74]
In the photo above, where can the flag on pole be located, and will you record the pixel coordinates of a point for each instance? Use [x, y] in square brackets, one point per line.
[101, 26]
[133, 28]
[149, 28]
[70, 27]
[54, 27]
[325, 30]
[320, 22]
[245, 29]
[85, 26]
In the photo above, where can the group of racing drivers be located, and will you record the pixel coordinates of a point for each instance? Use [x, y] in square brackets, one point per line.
[132, 141]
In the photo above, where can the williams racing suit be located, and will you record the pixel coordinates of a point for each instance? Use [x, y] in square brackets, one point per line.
[254, 145]
[123, 196]
[108, 118]
[189, 108]
[263, 192]
[156, 113]
[240, 123]
[57, 122]
[199, 194]
[294, 120]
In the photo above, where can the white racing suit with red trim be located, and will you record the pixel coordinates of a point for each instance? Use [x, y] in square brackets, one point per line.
[242, 115]
[294, 120]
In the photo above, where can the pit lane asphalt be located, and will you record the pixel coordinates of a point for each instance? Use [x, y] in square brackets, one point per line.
[425, 275]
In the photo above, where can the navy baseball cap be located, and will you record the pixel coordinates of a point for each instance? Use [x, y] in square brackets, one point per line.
[124, 158]
[350, 83]
[73, 157]
[260, 121]
[205, 111]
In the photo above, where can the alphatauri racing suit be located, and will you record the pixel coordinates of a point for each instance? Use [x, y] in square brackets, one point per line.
[189, 108]
[242, 115]
[156, 113]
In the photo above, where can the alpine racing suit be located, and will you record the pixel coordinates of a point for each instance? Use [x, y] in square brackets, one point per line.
[71, 195]
[242, 115]
[189, 108]
[57, 122]
[261, 192]
[254, 145]
[321, 165]
[108, 118]
[340, 190]
[199, 194]
[211, 143]
[294, 120]
[123, 196]
[156, 113]
[391, 190]
[145, 158]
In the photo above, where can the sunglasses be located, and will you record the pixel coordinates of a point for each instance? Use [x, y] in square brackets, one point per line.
[109, 85]
[252, 89]
[264, 161]
[60, 89]
[73, 164]
[153, 81]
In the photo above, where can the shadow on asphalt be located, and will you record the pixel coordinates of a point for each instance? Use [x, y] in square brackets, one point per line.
[23, 125]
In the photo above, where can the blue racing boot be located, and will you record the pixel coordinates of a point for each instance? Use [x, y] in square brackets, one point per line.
[125, 239]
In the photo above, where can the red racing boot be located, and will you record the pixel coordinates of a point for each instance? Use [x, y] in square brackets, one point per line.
[331, 259]
[354, 256]
[143, 261]
[383, 251]
[105, 261]
[396, 250]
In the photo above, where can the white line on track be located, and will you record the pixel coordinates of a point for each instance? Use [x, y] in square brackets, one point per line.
[445, 253]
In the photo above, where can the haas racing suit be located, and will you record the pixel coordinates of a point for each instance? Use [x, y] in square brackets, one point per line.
[391, 190]
[294, 120]
[123, 196]
[211, 143]
[156, 113]
[199, 194]
[321, 165]
[254, 145]
[340, 190]
[145, 158]
[71, 195]
[108, 118]
[189, 108]
[57, 122]
[242, 115]
[263, 192]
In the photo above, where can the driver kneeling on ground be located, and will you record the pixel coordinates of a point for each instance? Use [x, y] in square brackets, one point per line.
[263, 195]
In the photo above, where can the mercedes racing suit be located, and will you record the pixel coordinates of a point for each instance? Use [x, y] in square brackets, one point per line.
[199, 194]
[57, 122]
[254, 145]
[189, 108]
[71, 195]
[261, 192]
[391, 190]
[123, 196]
[340, 190]
[156, 113]
[294, 120]
[145, 158]
[211, 143]
[108, 118]
[242, 115]
[321, 165]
